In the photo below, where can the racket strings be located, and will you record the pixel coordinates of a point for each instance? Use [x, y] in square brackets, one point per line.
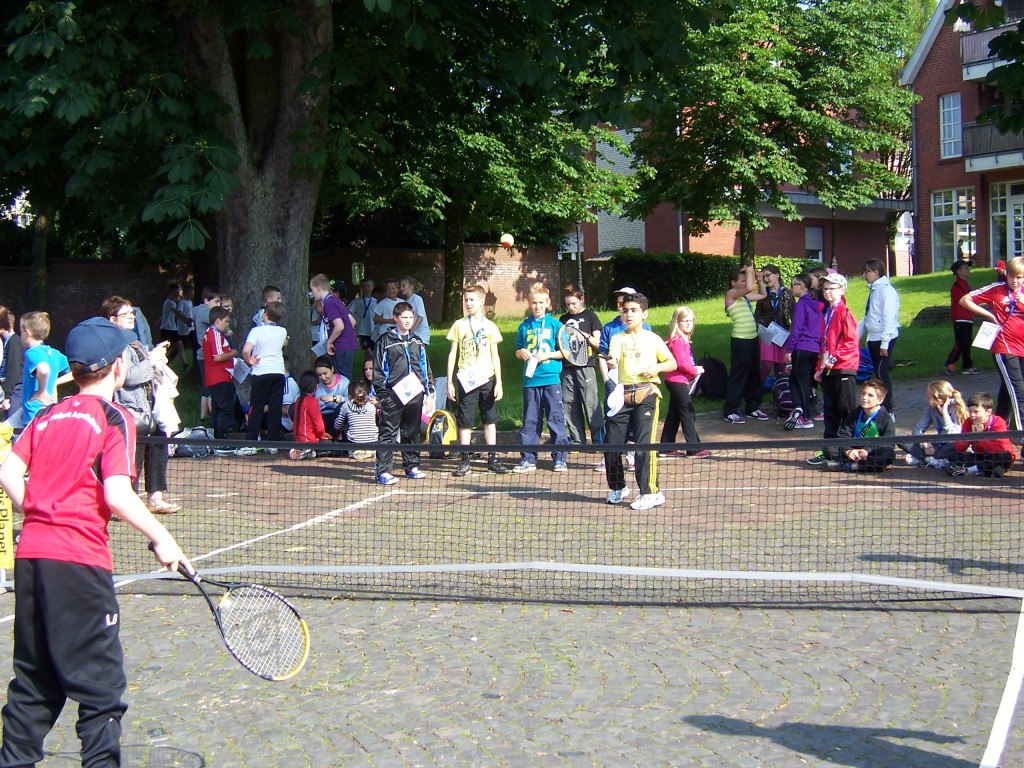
[263, 632]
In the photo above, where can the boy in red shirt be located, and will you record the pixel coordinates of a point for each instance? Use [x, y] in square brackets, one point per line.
[992, 458]
[71, 469]
[963, 321]
[837, 366]
[218, 370]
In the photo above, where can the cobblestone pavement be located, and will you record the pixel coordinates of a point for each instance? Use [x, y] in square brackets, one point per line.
[486, 683]
[416, 683]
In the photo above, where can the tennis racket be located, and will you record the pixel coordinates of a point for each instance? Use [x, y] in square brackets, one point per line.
[574, 344]
[261, 629]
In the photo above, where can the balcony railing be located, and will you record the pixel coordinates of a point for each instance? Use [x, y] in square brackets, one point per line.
[984, 139]
[974, 45]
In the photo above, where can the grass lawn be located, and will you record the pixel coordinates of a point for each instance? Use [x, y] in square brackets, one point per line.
[924, 347]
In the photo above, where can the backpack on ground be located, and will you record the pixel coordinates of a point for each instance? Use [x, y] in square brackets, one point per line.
[713, 380]
[198, 449]
[441, 428]
[782, 396]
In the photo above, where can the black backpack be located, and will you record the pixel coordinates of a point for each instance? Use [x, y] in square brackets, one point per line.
[712, 381]
[193, 449]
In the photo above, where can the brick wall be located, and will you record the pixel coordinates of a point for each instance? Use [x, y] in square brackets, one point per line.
[77, 288]
[506, 275]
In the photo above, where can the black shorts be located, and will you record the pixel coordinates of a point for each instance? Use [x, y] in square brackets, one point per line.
[481, 398]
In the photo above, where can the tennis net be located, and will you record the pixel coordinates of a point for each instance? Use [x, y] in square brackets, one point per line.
[754, 522]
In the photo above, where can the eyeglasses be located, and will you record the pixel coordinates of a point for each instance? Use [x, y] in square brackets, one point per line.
[126, 313]
[830, 288]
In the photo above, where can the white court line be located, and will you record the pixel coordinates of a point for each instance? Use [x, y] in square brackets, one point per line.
[1004, 715]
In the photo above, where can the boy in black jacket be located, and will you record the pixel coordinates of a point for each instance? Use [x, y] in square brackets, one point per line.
[870, 420]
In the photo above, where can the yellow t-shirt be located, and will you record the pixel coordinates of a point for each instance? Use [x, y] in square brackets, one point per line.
[637, 352]
[475, 337]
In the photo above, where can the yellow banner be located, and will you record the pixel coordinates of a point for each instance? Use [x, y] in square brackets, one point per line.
[6, 511]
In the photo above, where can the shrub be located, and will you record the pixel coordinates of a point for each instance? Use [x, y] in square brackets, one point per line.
[671, 278]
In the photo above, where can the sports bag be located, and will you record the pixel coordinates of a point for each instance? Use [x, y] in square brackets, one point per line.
[713, 380]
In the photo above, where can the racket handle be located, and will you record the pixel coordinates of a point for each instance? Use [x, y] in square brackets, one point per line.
[181, 568]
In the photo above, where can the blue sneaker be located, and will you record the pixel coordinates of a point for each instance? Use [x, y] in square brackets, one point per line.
[561, 466]
[415, 473]
[386, 478]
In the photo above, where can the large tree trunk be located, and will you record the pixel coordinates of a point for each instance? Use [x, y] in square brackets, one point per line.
[746, 242]
[263, 231]
[37, 277]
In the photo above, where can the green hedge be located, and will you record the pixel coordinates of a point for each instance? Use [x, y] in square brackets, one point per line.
[671, 278]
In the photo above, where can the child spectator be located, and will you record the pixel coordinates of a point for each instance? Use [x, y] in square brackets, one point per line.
[45, 368]
[1003, 304]
[402, 378]
[870, 420]
[837, 365]
[536, 346]
[614, 326]
[362, 308]
[357, 420]
[67, 475]
[678, 382]
[474, 376]
[744, 384]
[407, 288]
[308, 423]
[270, 293]
[201, 323]
[184, 319]
[963, 321]
[264, 351]
[330, 392]
[776, 307]
[218, 371]
[639, 356]
[945, 413]
[368, 378]
[11, 379]
[168, 324]
[881, 323]
[384, 314]
[802, 349]
[339, 326]
[992, 458]
[579, 382]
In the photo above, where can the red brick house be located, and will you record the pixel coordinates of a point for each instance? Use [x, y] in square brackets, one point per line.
[968, 178]
[843, 237]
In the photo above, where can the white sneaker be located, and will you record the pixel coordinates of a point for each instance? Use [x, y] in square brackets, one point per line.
[913, 461]
[245, 451]
[599, 467]
[524, 466]
[648, 501]
[617, 497]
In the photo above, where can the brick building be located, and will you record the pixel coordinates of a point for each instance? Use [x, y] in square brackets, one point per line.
[968, 178]
[841, 237]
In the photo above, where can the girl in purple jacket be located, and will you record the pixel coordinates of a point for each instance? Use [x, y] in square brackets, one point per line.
[802, 349]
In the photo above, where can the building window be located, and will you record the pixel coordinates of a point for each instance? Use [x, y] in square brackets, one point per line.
[1006, 214]
[953, 226]
[814, 237]
[951, 127]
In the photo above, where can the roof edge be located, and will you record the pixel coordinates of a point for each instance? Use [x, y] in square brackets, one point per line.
[924, 45]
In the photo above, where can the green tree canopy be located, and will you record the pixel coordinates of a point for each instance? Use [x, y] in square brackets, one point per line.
[787, 94]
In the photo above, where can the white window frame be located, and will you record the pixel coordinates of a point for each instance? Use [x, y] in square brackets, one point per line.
[950, 126]
[956, 206]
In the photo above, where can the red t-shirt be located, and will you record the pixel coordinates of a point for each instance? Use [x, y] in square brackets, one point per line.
[216, 343]
[70, 448]
[986, 445]
[1009, 311]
